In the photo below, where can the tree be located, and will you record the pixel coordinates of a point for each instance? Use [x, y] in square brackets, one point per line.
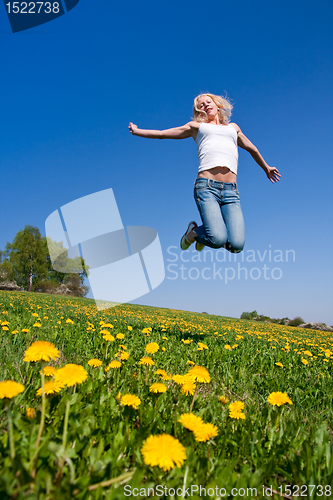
[296, 321]
[6, 271]
[6, 277]
[28, 257]
[28, 263]
[249, 315]
[58, 254]
[75, 285]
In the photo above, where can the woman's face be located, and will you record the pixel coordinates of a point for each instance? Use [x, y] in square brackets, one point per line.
[205, 103]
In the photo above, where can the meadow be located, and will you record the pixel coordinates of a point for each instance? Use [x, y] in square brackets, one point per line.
[122, 402]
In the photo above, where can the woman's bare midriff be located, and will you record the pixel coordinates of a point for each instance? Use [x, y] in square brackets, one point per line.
[221, 174]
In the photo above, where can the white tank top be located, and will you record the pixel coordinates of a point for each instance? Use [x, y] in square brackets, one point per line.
[217, 147]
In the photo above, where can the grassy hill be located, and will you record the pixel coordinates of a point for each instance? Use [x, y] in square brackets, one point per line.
[103, 431]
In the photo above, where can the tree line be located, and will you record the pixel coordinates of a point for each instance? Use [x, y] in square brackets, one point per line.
[254, 316]
[25, 264]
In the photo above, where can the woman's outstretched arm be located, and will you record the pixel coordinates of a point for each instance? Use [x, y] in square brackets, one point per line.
[182, 132]
[244, 143]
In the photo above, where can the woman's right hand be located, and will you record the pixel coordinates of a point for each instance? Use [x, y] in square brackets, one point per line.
[132, 128]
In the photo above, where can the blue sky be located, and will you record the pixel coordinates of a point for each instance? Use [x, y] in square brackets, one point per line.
[70, 87]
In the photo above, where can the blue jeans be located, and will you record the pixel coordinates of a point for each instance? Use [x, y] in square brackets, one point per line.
[221, 215]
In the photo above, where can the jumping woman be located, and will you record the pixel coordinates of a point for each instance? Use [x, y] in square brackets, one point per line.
[215, 189]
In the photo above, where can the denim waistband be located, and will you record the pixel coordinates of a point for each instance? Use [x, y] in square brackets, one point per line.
[219, 184]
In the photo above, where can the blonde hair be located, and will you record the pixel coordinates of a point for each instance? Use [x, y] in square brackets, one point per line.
[222, 103]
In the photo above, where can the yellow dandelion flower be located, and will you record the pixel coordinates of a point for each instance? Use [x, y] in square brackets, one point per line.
[163, 374]
[191, 363]
[108, 325]
[305, 361]
[123, 346]
[205, 432]
[190, 421]
[129, 328]
[49, 371]
[71, 374]
[5, 328]
[279, 364]
[9, 389]
[200, 374]
[14, 331]
[308, 353]
[38, 325]
[179, 379]
[234, 346]
[70, 321]
[41, 351]
[124, 355]
[163, 349]
[152, 347]
[163, 451]
[50, 387]
[146, 361]
[145, 330]
[187, 341]
[224, 400]
[120, 336]
[227, 347]
[236, 406]
[279, 399]
[157, 387]
[113, 364]
[35, 315]
[237, 415]
[130, 400]
[202, 346]
[108, 337]
[160, 372]
[30, 412]
[95, 362]
[188, 388]
[165, 338]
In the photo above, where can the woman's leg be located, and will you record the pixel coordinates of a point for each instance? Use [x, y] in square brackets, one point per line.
[213, 232]
[234, 220]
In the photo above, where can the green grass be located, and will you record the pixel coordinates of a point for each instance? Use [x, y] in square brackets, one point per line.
[290, 445]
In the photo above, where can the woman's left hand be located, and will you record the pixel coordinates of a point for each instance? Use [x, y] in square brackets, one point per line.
[273, 174]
